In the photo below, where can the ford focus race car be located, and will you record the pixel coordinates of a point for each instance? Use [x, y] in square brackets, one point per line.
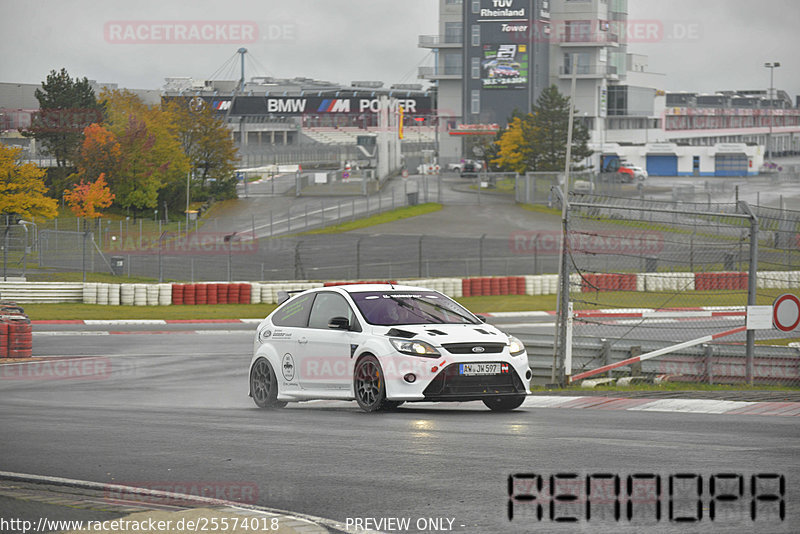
[382, 345]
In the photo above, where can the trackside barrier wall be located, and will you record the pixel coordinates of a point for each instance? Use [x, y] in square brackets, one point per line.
[267, 292]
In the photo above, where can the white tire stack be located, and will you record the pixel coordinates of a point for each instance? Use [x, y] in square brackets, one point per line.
[113, 294]
[164, 294]
[255, 293]
[90, 293]
[126, 294]
[140, 295]
[102, 294]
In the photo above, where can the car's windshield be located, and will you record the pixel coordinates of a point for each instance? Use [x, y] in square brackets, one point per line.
[392, 308]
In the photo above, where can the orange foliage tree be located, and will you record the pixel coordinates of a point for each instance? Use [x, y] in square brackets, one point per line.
[85, 199]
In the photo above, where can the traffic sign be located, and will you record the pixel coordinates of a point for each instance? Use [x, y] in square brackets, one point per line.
[786, 312]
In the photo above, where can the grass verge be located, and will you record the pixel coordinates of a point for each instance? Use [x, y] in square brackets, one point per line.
[382, 218]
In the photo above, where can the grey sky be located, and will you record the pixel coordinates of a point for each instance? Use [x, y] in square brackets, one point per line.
[707, 44]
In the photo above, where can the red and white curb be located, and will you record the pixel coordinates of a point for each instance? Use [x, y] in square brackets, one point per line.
[699, 406]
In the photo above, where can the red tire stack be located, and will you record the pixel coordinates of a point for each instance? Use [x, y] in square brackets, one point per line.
[3, 339]
[466, 287]
[201, 294]
[245, 291]
[16, 332]
[188, 294]
[233, 293]
[177, 294]
[222, 293]
[211, 293]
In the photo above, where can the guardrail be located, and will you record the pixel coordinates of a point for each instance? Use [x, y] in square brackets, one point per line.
[42, 291]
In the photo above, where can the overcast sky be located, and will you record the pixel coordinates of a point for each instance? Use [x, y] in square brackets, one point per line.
[705, 45]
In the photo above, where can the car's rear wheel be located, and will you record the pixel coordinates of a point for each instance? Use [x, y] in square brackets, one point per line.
[369, 385]
[264, 385]
[504, 404]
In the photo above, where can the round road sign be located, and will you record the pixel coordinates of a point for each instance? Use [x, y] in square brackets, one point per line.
[786, 312]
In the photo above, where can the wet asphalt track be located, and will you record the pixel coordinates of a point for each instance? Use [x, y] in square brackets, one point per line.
[173, 408]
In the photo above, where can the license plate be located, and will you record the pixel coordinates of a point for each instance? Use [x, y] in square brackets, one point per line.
[476, 369]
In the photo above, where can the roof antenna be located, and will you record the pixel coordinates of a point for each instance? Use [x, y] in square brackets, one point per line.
[390, 284]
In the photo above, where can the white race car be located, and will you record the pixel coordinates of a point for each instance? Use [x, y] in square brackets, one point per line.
[382, 345]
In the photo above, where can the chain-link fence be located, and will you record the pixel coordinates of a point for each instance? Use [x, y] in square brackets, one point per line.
[659, 274]
[16, 243]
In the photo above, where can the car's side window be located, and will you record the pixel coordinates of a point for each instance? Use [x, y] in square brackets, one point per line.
[326, 306]
[294, 312]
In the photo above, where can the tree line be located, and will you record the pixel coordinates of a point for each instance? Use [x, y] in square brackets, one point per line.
[114, 151]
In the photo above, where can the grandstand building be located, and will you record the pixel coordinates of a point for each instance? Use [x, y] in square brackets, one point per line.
[270, 114]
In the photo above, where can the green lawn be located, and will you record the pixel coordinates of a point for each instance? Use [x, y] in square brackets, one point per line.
[374, 220]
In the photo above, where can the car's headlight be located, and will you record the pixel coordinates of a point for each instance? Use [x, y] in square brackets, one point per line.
[515, 346]
[414, 348]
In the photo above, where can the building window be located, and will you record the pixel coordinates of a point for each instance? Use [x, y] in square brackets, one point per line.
[453, 32]
[476, 7]
[476, 35]
[476, 68]
[475, 102]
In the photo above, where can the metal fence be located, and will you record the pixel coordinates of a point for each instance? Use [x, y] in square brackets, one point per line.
[16, 242]
[671, 273]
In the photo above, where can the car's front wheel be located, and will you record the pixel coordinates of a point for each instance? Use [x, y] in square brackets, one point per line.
[264, 385]
[504, 404]
[369, 385]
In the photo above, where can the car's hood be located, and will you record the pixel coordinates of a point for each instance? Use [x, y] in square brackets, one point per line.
[437, 334]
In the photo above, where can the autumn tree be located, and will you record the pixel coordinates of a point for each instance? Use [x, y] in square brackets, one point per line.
[538, 141]
[150, 156]
[22, 188]
[207, 142]
[85, 199]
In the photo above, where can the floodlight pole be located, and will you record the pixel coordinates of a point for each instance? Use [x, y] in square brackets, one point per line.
[771, 66]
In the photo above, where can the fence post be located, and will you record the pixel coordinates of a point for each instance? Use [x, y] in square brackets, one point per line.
[420, 256]
[358, 258]
[636, 367]
[752, 281]
[297, 266]
[563, 293]
[480, 255]
[709, 360]
[605, 354]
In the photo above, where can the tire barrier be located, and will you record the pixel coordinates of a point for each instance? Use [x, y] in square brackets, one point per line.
[267, 292]
[126, 293]
[16, 333]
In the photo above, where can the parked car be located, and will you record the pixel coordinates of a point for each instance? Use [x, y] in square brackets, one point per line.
[638, 172]
[470, 169]
[382, 345]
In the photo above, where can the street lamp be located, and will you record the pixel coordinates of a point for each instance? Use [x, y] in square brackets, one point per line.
[771, 66]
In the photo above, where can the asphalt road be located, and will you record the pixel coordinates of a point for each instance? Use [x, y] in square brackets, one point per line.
[171, 408]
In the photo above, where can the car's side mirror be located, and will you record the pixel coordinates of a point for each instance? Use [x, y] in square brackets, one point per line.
[339, 323]
[481, 318]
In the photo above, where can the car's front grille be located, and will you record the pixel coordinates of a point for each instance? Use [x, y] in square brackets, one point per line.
[449, 384]
[474, 348]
